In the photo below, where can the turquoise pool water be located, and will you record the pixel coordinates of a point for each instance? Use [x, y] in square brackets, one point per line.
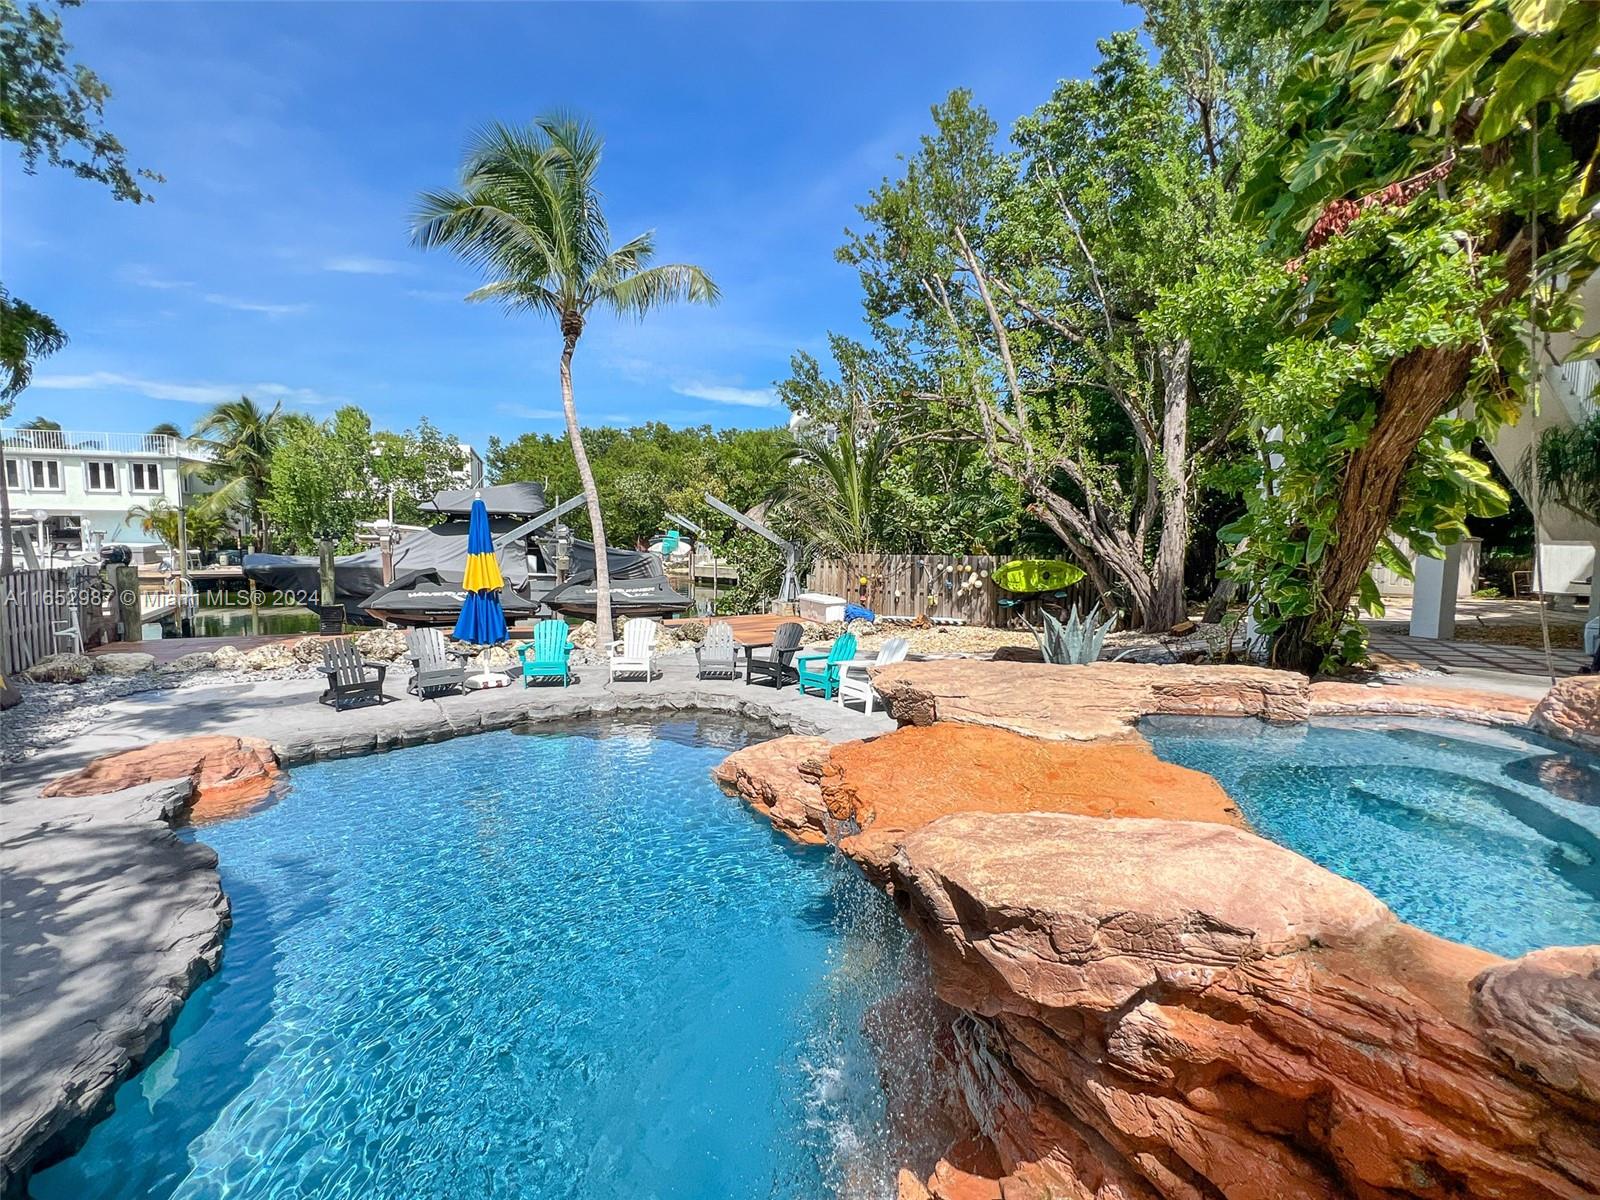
[542, 965]
[1489, 837]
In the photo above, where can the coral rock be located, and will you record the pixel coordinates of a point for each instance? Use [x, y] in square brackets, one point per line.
[1172, 1009]
[228, 773]
[779, 780]
[130, 663]
[1571, 710]
[61, 668]
[381, 645]
[1082, 703]
[199, 660]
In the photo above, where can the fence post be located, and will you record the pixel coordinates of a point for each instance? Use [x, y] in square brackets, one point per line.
[130, 617]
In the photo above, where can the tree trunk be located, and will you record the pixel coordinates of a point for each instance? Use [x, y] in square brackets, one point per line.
[1167, 597]
[591, 496]
[1417, 390]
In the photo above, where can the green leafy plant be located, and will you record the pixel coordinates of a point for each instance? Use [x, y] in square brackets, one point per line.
[1075, 641]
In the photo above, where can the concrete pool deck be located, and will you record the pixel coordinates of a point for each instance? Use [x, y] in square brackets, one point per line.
[111, 920]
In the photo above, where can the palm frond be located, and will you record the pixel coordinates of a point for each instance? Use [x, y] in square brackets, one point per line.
[655, 287]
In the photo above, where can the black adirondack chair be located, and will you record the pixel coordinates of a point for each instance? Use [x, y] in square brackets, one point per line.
[717, 655]
[351, 678]
[775, 667]
[433, 667]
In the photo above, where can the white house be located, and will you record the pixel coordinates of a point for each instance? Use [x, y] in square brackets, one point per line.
[70, 492]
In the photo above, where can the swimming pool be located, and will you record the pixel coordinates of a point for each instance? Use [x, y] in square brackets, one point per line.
[1485, 836]
[542, 964]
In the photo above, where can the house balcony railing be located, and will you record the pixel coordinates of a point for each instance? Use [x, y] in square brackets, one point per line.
[70, 441]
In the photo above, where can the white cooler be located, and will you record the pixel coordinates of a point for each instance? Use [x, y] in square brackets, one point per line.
[819, 606]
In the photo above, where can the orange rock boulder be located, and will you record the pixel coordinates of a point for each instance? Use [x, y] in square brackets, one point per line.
[228, 773]
[1571, 710]
[1172, 1009]
[778, 779]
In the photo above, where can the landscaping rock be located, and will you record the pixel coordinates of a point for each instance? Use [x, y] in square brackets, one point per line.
[61, 668]
[308, 650]
[1165, 1009]
[495, 658]
[229, 658]
[226, 773]
[1083, 703]
[692, 631]
[274, 656]
[583, 635]
[1571, 710]
[381, 645]
[130, 663]
[184, 664]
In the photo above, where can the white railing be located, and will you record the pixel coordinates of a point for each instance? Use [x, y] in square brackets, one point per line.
[158, 445]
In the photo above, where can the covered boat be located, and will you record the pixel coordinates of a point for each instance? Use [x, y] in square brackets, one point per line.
[424, 598]
[649, 596]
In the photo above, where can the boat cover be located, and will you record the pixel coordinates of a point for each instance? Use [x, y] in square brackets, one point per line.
[501, 499]
[423, 594]
[647, 596]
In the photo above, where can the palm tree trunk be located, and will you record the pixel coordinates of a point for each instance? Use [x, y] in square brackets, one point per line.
[591, 498]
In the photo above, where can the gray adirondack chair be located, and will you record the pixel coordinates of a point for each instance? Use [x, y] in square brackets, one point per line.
[351, 678]
[717, 655]
[775, 666]
[433, 667]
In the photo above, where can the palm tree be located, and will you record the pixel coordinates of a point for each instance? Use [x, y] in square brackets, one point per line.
[842, 497]
[26, 335]
[158, 519]
[241, 437]
[527, 213]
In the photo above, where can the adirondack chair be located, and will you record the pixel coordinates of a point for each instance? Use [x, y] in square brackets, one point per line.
[351, 678]
[717, 654]
[826, 676]
[632, 652]
[434, 668]
[549, 655]
[854, 681]
[774, 666]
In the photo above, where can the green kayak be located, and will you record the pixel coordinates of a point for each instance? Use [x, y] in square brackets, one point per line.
[1028, 575]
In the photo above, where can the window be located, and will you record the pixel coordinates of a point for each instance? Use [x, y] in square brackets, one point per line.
[146, 477]
[99, 476]
[44, 475]
[13, 475]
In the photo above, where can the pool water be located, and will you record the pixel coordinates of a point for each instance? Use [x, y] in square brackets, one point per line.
[541, 965]
[1489, 837]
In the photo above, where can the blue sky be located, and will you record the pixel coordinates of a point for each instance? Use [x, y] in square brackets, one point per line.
[294, 137]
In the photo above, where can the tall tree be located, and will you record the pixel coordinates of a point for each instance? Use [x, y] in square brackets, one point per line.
[527, 212]
[1432, 185]
[1021, 290]
[241, 437]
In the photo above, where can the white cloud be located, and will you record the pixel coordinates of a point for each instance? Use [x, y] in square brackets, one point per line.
[186, 393]
[528, 413]
[355, 264]
[141, 276]
[717, 394]
[255, 306]
[434, 294]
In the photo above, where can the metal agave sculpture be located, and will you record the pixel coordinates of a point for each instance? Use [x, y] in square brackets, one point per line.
[1076, 640]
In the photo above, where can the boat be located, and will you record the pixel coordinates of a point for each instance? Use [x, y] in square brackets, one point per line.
[429, 564]
[1030, 576]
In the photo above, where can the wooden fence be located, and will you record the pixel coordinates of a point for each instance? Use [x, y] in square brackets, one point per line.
[950, 587]
[35, 604]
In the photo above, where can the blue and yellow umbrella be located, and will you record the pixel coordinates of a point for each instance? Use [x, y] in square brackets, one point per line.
[482, 620]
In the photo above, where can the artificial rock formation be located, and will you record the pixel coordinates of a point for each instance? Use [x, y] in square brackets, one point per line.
[868, 795]
[110, 922]
[1174, 1009]
[1571, 710]
[227, 773]
[1083, 703]
[1335, 698]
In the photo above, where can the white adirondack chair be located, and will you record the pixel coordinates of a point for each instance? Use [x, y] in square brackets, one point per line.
[854, 681]
[631, 654]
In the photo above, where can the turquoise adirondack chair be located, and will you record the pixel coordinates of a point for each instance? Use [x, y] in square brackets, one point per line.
[546, 657]
[826, 676]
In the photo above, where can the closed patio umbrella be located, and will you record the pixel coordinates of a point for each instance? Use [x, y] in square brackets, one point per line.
[482, 621]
